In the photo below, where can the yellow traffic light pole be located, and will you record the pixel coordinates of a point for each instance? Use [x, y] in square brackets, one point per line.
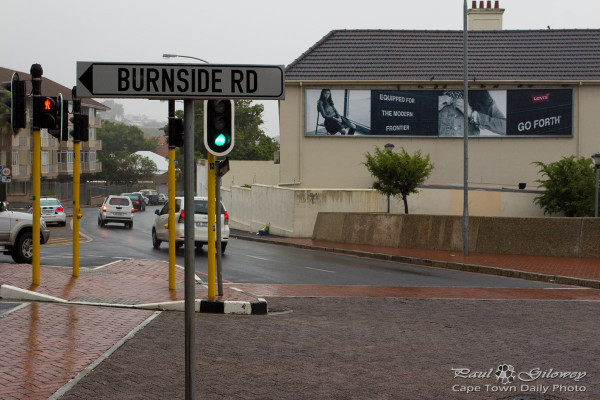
[171, 219]
[171, 200]
[76, 206]
[36, 173]
[211, 226]
[36, 188]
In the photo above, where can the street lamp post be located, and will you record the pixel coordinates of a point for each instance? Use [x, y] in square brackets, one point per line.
[391, 147]
[596, 158]
[166, 55]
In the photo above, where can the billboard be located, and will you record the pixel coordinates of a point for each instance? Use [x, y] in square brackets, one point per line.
[438, 113]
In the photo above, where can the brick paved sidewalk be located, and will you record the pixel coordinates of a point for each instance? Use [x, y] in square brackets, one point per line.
[139, 283]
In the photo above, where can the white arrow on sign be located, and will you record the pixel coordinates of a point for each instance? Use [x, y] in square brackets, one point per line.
[179, 81]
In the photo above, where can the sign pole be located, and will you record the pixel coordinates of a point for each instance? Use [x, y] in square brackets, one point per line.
[466, 135]
[189, 231]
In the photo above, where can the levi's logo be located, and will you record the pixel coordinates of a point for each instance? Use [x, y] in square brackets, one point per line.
[540, 98]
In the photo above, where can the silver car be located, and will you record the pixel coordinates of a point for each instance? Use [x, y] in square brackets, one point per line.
[116, 209]
[160, 232]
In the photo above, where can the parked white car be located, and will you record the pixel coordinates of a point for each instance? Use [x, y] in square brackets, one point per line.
[116, 209]
[161, 234]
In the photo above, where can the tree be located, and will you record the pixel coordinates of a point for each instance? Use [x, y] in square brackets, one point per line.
[116, 136]
[569, 187]
[116, 112]
[398, 174]
[124, 168]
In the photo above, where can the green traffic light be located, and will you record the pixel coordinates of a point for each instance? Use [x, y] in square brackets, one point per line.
[221, 140]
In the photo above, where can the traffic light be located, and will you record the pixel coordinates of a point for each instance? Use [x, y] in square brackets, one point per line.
[218, 126]
[16, 102]
[46, 112]
[81, 123]
[64, 121]
[61, 129]
[175, 132]
[84, 127]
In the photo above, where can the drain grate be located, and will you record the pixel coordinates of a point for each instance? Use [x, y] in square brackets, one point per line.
[88, 271]
[105, 300]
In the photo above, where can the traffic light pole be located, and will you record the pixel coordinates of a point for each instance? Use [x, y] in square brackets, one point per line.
[171, 218]
[76, 182]
[36, 82]
[218, 218]
[211, 226]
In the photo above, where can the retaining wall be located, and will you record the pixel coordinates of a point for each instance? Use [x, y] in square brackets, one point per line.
[542, 236]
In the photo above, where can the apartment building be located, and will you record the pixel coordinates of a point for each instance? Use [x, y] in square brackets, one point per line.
[57, 157]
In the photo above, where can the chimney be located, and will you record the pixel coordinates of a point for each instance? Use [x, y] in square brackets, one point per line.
[485, 18]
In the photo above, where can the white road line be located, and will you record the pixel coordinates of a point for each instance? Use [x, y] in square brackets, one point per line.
[322, 270]
[258, 258]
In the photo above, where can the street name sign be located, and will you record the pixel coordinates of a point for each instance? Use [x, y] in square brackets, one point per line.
[179, 81]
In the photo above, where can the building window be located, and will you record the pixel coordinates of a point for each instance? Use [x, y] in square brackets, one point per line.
[15, 158]
[45, 164]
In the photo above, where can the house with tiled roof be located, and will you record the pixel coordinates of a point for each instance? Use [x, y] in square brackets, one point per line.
[57, 157]
[533, 96]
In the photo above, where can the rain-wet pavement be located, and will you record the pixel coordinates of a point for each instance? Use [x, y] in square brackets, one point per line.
[328, 342]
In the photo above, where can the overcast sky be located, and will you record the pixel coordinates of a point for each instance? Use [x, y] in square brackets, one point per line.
[57, 34]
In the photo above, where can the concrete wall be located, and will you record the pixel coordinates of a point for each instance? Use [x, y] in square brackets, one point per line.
[562, 237]
[293, 212]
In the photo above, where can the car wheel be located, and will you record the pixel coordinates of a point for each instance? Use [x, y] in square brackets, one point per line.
[178, 245]
[63, 223]
[131, 225]
[223, 247]
[23, 250]
[155, 241]
[99, 221]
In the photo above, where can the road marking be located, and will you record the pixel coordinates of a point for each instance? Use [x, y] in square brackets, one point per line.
[258, 258]
[322, 270]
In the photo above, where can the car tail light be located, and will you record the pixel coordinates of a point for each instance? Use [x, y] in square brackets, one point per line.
[60, 209]
[180, 221]
[132, 210]
[226, 218]
[104, 208]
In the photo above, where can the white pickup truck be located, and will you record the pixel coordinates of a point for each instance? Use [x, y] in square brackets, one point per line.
[16, 234]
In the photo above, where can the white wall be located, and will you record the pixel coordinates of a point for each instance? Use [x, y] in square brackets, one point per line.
[293, 212]
[240, 173]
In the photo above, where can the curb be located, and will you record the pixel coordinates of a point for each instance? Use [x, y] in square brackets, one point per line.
[480, 269]
[259, 307]
[234, 307]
